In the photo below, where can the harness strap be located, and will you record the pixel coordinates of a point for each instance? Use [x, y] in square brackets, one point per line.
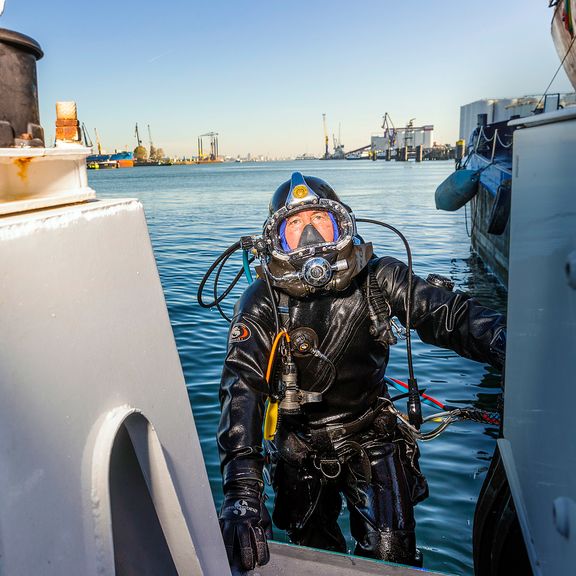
[284, 309]
[326, 437]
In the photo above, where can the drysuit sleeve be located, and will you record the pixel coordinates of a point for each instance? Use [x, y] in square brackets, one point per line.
[444, 318]
[243, 388]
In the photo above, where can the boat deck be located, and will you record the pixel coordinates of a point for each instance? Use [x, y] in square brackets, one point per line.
[287, 560]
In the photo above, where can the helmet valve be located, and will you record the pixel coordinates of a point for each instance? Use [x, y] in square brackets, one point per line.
[318, 271]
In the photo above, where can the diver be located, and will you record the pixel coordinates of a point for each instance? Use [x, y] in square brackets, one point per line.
[304, 395]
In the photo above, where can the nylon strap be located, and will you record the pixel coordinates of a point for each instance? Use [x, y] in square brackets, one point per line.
[284, 309]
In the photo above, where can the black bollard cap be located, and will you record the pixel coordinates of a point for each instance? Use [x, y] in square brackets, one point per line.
[21, 41]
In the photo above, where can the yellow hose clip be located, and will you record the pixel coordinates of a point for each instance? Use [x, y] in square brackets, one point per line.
[271, 420]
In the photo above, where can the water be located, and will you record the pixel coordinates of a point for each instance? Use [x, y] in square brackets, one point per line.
[195, 212]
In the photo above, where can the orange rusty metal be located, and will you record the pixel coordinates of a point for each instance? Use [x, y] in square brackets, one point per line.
[67, 122]
[68, 133]
[22, 165]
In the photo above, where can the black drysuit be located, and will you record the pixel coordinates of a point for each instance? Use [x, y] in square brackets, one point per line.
[370, 459]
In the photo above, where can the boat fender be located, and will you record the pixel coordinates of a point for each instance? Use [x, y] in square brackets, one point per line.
[458, 189]
[500, 213]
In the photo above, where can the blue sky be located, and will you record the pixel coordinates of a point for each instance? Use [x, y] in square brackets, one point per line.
[262, 73]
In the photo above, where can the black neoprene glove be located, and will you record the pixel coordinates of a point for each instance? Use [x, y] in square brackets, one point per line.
[245, 524]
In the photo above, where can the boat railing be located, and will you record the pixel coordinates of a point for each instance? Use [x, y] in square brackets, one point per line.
[492, 139]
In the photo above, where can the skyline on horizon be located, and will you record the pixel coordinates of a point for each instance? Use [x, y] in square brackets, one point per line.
[262, 75]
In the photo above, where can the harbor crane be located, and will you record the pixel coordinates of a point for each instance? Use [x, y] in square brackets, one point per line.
[213, 156]
[338, 141]
[405, 134]
[389, 130]
[152, 154]
[338, 146]
[326, 152]
[98, 145]
[140, 153]
[137, 134]
[409, 134]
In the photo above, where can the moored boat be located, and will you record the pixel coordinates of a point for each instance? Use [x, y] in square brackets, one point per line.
[124, 159]
[489, 152]
[483, 186]
[490, 159]
[358, 156]
[116, 160]
[482, 180]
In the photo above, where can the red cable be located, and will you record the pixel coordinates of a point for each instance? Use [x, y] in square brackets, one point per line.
[439, 404]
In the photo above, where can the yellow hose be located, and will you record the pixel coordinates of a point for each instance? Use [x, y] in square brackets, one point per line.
[271, 418]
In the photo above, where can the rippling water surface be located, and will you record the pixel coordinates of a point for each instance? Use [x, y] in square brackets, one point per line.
[195, 212]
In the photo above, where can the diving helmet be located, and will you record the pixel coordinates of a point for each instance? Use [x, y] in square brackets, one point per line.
[311, 239]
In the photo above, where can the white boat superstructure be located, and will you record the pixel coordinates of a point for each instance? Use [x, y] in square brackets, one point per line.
[539, 427]
[102, 468]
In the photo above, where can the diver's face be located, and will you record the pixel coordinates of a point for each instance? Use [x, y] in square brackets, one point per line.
[319, 219]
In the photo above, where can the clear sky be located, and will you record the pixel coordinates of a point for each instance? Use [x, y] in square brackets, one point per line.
[261, 73]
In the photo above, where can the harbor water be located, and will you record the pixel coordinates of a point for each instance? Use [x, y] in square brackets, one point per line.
[195, 212]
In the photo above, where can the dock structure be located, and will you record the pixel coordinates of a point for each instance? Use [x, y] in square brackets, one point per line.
[408, 142]
[402, 144]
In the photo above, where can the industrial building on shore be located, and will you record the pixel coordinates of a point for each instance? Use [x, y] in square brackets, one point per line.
[492, 110]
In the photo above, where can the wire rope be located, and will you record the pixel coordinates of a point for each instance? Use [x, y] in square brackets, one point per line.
[556, 73]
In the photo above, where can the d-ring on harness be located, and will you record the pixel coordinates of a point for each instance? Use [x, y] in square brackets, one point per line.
[322, 463]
